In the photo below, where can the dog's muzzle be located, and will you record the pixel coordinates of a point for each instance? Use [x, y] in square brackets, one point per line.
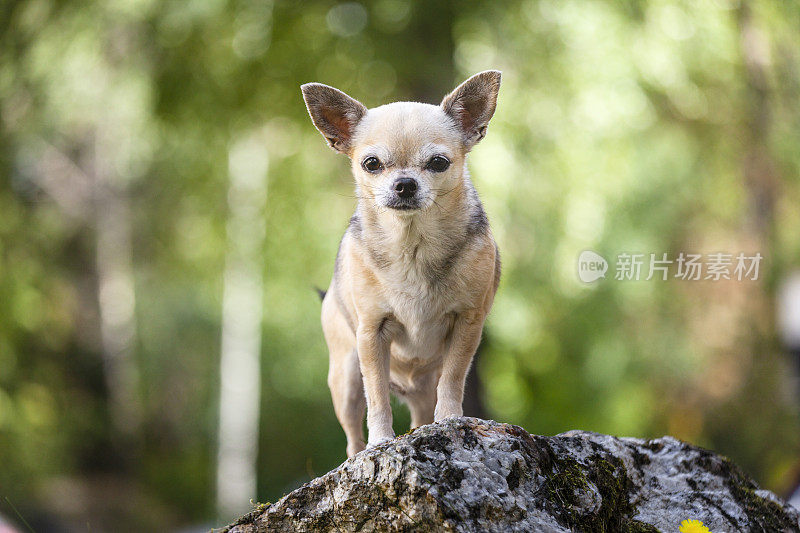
[405, 194]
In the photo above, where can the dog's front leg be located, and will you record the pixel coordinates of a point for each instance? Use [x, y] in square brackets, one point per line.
[373, 356]
[466, 336]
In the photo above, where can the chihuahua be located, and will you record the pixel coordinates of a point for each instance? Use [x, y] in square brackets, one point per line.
[417, 268]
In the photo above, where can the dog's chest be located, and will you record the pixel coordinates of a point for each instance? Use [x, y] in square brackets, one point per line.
[422, 321]
[419, 299]
[423, 291]
[420, 339]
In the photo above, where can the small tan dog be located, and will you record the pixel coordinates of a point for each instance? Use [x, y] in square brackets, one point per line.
[417, 268]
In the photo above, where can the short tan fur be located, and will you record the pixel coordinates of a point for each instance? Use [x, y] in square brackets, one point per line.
[417, 268]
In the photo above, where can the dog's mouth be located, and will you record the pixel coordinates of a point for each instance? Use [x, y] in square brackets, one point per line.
[403, 204]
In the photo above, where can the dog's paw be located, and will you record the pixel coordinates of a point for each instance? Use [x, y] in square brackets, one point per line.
[379, 440]
[355, 447]
[443, 414]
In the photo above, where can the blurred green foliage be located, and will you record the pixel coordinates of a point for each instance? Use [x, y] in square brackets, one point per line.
[653, 126]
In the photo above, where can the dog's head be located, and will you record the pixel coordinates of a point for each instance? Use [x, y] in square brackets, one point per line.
[405, 155]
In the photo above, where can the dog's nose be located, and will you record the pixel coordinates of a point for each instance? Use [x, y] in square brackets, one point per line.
[405, 187]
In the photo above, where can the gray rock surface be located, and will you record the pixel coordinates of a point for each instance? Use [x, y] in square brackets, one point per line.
[468, 474]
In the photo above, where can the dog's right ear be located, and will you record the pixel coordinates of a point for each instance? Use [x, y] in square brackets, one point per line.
[335, 114]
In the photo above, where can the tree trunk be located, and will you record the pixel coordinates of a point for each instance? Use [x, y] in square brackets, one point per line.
[242, 304]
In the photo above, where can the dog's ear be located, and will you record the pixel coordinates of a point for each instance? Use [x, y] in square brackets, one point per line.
[335, 114]
[472, 104]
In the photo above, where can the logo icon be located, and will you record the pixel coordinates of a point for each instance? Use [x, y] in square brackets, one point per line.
[591, 266]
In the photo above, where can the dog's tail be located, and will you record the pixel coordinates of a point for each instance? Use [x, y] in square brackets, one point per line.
[320, 292]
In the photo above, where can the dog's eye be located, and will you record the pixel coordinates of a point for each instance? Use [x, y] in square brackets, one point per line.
[372, 164]
[438, 163]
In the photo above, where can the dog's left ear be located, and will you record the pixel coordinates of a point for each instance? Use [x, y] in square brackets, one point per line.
[472, 104]
[335, 114]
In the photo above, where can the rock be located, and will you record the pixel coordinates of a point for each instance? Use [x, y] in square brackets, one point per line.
[467, 474]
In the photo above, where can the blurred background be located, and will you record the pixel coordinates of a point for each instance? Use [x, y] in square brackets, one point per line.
[166, 207]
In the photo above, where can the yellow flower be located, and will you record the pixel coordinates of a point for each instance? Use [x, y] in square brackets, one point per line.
[693, 526]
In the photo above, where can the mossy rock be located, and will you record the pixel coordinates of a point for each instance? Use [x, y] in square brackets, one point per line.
[467, 474]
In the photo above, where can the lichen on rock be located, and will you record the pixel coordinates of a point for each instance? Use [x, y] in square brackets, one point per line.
[467, 474]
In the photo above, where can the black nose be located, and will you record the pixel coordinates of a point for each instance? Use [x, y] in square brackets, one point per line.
[405, 187]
